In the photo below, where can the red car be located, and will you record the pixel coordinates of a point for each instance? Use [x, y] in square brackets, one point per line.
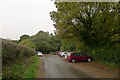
[74, 56]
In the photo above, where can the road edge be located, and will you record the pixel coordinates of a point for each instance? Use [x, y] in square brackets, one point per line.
[41, 69]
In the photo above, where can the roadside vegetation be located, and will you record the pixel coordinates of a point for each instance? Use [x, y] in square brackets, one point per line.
[32, 71]
[18, 61]
[92, 28]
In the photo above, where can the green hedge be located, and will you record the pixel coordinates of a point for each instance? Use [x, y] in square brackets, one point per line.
[12, 52]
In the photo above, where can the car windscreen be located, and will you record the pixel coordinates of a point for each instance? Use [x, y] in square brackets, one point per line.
[39, 53]
[65, 53]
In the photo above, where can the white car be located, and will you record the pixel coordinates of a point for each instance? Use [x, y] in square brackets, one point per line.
[67, 54]
[63, 54]
[40, 54]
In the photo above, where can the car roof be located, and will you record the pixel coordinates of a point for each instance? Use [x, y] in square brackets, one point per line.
[39, 52]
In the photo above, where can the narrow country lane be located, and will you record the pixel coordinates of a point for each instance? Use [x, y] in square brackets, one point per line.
[55, 67]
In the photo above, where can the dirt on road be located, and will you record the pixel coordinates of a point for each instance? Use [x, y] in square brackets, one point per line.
[96, 70]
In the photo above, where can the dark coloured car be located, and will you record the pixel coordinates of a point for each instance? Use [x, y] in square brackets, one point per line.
[74, 56]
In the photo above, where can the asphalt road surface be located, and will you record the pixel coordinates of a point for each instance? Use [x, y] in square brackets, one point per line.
[57, 67]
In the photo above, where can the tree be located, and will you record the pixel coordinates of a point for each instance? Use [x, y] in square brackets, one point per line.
[93, 23]
[46, 42]
[23, 37]
[28, 42]
[94, 26]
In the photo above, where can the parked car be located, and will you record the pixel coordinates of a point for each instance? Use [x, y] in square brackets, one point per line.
[63, 54]
[54, 53]
[40, 54]
[67, 54]
[58, 52]
[74, 56]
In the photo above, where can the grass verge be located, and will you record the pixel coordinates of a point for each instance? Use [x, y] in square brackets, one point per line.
[32, 71]
[26, 68]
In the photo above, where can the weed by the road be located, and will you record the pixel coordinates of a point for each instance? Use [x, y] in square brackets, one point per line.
[27, 68]
[31, 72]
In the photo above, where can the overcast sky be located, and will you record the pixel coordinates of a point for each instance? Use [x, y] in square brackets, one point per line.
[18, 17]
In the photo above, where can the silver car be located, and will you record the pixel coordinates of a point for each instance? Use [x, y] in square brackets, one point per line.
[40, 54]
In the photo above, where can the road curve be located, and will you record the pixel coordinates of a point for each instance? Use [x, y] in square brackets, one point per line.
[56, 67]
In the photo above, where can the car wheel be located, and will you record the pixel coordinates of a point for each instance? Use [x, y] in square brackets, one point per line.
[73, 60]
[89, 60]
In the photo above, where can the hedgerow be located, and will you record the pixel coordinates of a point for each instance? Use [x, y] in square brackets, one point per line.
[12, 52]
